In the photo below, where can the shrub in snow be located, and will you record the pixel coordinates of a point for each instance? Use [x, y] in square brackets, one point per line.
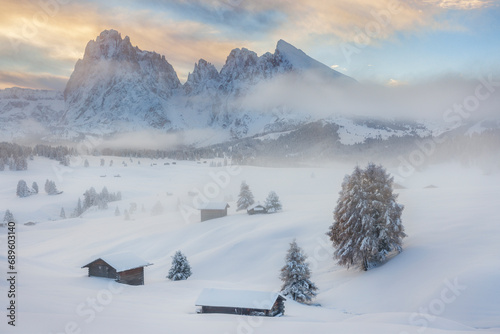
[180, 269]
[22, 189]
[295, 275]
[245, 197]
[272, 202]
[367, 220]
[8, 217]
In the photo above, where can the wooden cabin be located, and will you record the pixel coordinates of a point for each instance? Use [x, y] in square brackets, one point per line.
[256, 303]
[256, 209]
[126, 268]
[213, 210]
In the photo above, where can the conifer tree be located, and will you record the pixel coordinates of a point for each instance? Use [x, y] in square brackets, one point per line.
[245, 197]
[79, 209]
[295, 275]
[34, 186]
[367, 219]
[86, 163]
[62, 214]
[180, 269]
[117, 212]
[272, 202]
[8, 217]
[22, 189]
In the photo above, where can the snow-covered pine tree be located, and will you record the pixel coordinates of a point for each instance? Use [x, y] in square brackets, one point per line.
[50, 188]
[117, 212]
[272, 202]
[180, 269]
[295, 275]
[126, 215]
[157, 209]
[86, 163]
[62, 214]
[22, 189]
[102, 162]
[367, 219]
[8, 217]
[79, 209]
[34, 186]
[245, 197]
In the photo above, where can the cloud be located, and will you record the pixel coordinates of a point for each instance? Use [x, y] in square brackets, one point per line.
[426, 100]
[36, 81]
[461, 4]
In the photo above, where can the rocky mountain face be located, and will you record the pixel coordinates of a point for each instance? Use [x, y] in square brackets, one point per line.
[116, 83]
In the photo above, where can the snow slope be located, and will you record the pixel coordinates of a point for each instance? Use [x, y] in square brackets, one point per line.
[445, 281]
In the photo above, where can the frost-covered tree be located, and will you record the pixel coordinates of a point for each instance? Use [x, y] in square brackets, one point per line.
[295, 275]
[117, 212]
[272, 202]
[34, 186]
[126, 215]
[180, 269]
[22, 189]
[62, 214]
[102, 162]
[50, 188]
[86, 163]
[79, 209]
[245, 197]
[8, 217]
[367, 219]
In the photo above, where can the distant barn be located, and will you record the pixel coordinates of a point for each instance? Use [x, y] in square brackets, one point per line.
[240, 302]
[125, 268]
[256, 209]
[213, 210]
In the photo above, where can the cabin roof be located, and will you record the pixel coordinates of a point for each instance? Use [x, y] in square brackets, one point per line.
[122, 261]
[238, 298]
[257, 207]
[214, 206]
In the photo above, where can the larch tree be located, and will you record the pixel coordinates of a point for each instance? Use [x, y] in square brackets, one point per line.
[180, 269]
[296, 275]
[367, 219]
[245, 197]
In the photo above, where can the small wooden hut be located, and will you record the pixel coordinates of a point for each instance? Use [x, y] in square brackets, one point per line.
[240, 302]
[213, 210]
[126, 268]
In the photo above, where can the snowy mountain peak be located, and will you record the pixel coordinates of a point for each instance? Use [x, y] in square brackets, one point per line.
[299, 60]
[204, 76]
[118, 83]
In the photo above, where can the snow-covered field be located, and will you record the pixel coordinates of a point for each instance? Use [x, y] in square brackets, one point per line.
[445, 281]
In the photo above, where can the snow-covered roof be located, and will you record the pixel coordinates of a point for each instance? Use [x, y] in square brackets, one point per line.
[122, 261]
[257, 207]
[238, 298]
[214, 206]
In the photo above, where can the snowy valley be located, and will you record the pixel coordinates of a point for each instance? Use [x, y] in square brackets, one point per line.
[444, 281]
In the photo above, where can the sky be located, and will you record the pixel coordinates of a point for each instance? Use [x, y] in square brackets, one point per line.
[393, 42]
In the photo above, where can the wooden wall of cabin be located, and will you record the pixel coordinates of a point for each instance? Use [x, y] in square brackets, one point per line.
[100, 268]
[132, 276]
